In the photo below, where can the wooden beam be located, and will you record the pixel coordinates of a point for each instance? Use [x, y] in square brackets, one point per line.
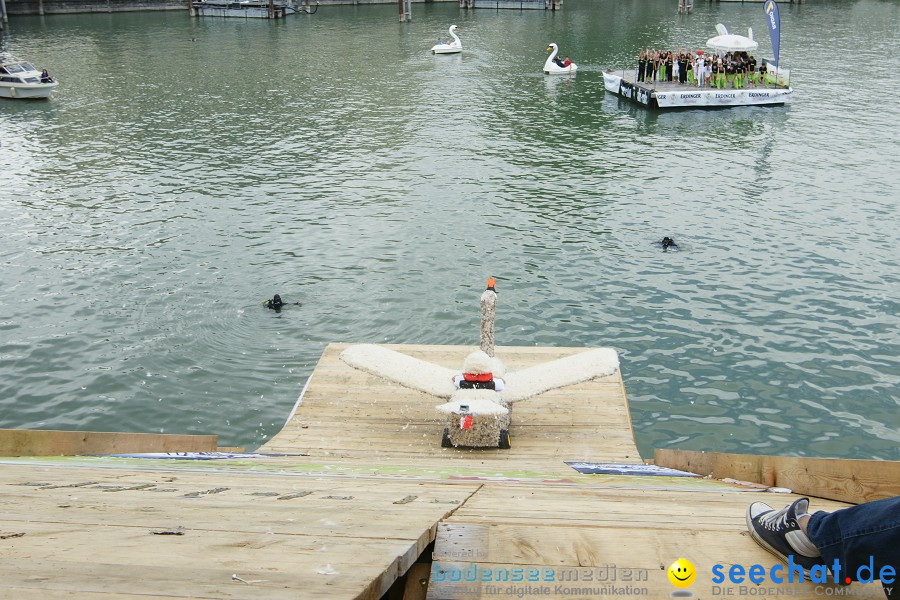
[844, 480]
[417, 581]
[28, 442]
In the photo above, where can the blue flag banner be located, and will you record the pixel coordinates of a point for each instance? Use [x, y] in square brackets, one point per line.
[774, 21]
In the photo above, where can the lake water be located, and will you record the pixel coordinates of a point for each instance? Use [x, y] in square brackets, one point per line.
[172, 185]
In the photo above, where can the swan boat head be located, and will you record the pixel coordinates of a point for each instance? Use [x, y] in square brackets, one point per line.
[454, 46]
[456, 43]
[553, 49]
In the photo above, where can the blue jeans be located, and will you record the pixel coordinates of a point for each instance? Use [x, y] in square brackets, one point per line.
[866, 535]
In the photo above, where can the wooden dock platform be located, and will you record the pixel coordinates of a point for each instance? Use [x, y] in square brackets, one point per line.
[356, 498]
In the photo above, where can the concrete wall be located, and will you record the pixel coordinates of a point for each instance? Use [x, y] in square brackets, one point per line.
[49, 7]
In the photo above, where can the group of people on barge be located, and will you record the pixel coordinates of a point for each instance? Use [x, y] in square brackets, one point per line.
[732, 69]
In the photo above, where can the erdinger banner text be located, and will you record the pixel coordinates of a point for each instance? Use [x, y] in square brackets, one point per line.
[722, 97]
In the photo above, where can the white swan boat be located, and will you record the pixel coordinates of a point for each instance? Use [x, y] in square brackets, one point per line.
[451, 48]
[551, 68]
[20, 79]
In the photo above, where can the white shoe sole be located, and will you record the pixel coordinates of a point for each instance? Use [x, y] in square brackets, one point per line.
[766, 545]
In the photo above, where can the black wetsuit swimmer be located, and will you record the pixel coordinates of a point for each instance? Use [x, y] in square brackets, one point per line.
[667, 243]
[277, 303]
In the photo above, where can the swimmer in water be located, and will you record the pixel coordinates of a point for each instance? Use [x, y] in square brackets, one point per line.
[277, 303]
[667, 243]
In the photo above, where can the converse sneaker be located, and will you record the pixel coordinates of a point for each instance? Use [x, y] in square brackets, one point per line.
[779, 532]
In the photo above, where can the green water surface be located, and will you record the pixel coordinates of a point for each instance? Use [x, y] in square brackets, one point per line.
[187, 169]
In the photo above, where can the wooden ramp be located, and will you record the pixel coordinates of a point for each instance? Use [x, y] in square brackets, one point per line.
[350, 414]
[358, 494]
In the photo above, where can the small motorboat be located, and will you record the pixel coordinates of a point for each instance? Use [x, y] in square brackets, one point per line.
[551, 68]
[20, 79]
[451, 48]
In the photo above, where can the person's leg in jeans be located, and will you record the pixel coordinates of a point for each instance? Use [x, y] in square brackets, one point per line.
[854, 536]
[858, 534]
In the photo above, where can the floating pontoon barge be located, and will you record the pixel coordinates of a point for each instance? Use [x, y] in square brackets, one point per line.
[667, 94]
[356, 498]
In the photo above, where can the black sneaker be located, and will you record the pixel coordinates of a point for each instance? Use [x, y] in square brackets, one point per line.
[778, 532]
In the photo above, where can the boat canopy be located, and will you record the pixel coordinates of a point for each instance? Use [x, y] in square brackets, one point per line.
[730, 42]
[19, 67]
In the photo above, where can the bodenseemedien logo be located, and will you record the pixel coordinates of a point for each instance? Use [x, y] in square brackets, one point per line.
[682, 574]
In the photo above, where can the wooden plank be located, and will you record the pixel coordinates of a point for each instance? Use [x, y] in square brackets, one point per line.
[617, 537]
[417, 581]
[577, 507]
[845, 480]
[46, 442]
[20, 593]
[307, 517]
[329, 575]
[90, 530]
[292, 471]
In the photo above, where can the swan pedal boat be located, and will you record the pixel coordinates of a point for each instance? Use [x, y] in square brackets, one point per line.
[451, 48]
[551, 68]
[20, 79]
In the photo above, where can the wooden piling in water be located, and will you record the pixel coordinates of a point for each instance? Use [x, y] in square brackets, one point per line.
[405, 9]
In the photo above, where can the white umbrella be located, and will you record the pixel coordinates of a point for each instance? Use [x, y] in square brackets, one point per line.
[730, 42]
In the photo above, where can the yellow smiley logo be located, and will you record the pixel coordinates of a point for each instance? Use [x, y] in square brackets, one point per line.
[682, 573]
